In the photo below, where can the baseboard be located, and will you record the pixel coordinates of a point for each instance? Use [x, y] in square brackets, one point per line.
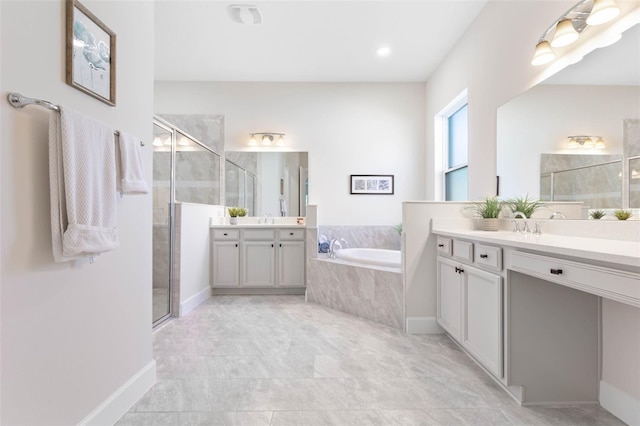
[222, 291]
[191, 303]
[620, 404]
[423, 325]
[119, 402]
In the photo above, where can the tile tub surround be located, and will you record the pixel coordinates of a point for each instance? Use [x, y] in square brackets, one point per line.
[274, 360]
[368, 292]
[383, 237]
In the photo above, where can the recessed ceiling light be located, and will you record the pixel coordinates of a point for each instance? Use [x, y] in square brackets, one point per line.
[248, 14]
[383, 51]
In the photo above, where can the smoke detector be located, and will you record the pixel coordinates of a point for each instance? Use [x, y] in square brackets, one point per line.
[248, 14]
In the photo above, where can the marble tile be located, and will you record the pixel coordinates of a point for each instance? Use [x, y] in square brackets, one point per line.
[264, 360]
[328, 417]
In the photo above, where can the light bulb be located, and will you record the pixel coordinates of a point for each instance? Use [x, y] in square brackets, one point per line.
[280, 141]
[157, 141]
[600, 144]
[565, 34]
[266, 139]
[543, 54]
[573, 144]
[602, 11]
[183, 141]
[589, 143]
[252, 141]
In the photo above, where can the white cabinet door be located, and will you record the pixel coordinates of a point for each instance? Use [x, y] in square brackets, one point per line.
[482, 317]
[225, 265]
[449, 297]
[258, 264]
[291, 264]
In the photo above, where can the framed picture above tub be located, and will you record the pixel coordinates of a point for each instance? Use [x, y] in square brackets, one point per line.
[91, 49]
[372, 184]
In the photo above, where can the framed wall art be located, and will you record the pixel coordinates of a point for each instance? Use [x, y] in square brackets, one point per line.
[372, 184]
[91, 49]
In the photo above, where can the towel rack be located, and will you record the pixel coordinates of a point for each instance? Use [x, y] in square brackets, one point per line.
[17, 100]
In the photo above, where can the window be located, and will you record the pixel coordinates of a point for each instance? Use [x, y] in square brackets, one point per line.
[451, 127]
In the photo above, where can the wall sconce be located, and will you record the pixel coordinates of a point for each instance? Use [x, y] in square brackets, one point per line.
[583, 141]
[266, 139]
[568, 27]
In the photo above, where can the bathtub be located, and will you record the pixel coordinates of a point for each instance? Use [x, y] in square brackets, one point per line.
[370, 256]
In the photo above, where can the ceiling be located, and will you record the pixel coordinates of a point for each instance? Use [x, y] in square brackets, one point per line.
[618, 64]
[308, 41]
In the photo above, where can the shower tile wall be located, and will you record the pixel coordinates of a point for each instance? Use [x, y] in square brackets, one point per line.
[597, 186]
[208, 129]
[383, 237]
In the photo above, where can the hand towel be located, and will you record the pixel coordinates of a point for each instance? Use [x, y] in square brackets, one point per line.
[82, 175]
[131, 168]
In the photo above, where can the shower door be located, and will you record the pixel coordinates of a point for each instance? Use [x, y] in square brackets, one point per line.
[162, 221]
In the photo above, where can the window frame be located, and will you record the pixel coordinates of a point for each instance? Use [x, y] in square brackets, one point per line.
[442, 137]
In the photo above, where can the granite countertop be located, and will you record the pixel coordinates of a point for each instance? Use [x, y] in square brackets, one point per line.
[599, 249]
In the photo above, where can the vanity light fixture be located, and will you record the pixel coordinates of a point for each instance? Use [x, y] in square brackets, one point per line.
[584, 141]
[266, 138]
[568, 27]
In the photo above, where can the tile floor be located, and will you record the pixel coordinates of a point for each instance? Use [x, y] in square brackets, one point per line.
[274, 360]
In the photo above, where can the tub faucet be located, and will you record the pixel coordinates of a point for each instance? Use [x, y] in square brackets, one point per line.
[336, 244]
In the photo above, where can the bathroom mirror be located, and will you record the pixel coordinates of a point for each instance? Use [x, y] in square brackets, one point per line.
[596, 96]
[267, 183]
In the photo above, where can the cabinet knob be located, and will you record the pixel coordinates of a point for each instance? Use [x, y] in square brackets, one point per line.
[484, 256]
[290, 233]
[556, 271]
[236, 244]
[271, 245]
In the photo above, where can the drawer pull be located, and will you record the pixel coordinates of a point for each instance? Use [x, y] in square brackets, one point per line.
[440, 245]
[484, 256]
[290, 233]
[225, 234]
[459, 270]
[556, 271]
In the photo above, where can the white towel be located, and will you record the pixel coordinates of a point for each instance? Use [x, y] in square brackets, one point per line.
[82, 175]
[131, 168]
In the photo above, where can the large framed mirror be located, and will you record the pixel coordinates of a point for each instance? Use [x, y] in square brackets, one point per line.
[267, 183]
[598, 96]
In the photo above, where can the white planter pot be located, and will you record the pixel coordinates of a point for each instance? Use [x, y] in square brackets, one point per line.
[490, 224]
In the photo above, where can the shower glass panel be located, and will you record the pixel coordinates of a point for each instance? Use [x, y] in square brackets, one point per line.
[598, 186]
[233, 185]
[161, 223]
[250, 193]
[197, 178]
[634, 183]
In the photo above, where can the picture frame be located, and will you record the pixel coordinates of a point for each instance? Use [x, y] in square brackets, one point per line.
[372, 184]
[90, 54]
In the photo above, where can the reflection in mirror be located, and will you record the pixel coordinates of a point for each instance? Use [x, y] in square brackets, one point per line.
[596, 96]
[268, 183]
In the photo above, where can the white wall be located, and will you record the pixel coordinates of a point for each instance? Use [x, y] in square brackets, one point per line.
[346, 128]
[72, 333]
[540, 120]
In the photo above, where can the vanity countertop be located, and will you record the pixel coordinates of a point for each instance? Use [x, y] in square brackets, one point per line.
[259, 225]
[599, 249]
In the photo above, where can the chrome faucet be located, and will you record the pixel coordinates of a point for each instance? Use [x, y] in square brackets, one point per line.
[516, 228]
[336, 244]
[557, 214]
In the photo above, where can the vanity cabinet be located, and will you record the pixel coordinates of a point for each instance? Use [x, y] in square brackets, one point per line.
[225, 258]
[257, 258]
[469, 302]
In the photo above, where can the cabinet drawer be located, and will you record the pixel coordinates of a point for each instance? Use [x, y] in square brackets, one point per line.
[463, 250]
[609, 283]
[444, 246]
[291, 234]
[226, 234]
[259, 234]
[488, 257]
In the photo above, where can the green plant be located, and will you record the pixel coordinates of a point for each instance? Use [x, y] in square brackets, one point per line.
[622, 214]
[489, 208]
[237, 211]
[398, 228]
[597, 214]
[524, 205]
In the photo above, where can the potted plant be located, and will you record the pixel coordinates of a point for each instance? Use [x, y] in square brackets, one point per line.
[234, 213]
[597, 214]
[622, 214]
[489, 210]
[524, 205]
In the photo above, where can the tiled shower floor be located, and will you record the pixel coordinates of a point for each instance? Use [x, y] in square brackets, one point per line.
[274, 360]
